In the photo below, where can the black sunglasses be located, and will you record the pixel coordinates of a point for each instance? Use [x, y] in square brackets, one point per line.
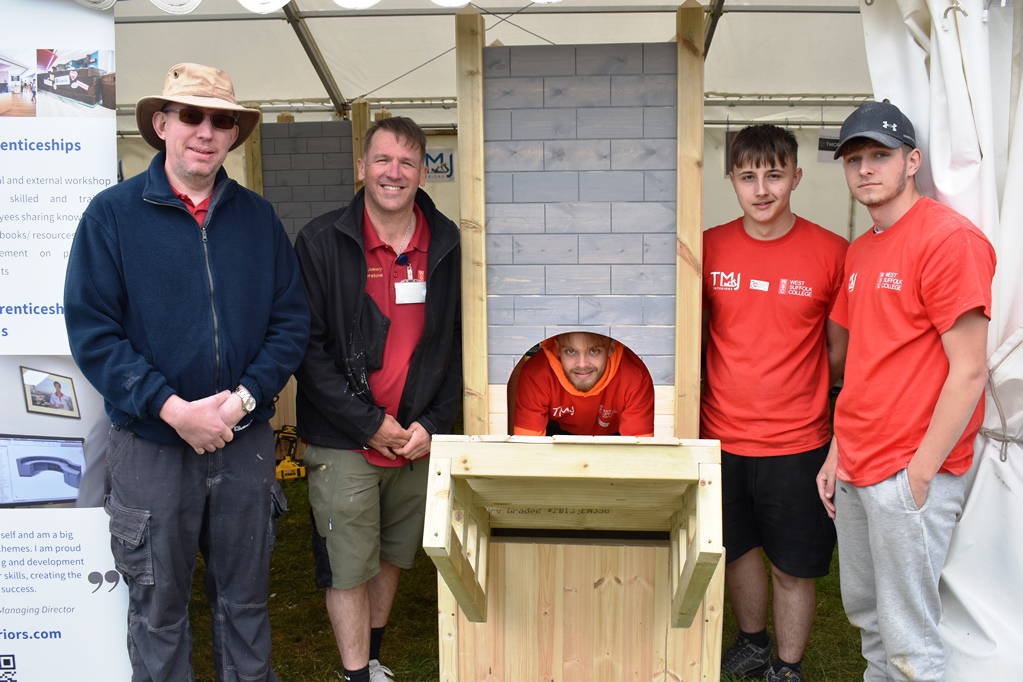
[194, 117]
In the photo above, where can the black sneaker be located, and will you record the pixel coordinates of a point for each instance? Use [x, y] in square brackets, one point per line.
[746, 659]
[783, 674]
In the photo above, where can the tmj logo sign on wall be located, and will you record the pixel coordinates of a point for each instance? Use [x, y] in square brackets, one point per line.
[440, 165]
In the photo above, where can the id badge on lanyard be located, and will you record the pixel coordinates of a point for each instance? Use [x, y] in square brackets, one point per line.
[409, 290]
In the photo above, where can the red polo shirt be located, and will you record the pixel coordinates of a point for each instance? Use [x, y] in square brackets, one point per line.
[198, 212]
[406, 328]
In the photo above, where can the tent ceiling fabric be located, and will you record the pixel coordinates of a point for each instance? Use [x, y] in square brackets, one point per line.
[405, 48]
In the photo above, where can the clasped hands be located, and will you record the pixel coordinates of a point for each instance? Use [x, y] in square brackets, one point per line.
[393, 441]
[205, 424]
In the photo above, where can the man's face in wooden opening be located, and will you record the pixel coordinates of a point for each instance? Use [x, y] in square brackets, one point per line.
[584, 358]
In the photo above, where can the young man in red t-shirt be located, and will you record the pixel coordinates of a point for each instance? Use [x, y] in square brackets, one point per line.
[584, 384]
[917, 305]
[770, 280]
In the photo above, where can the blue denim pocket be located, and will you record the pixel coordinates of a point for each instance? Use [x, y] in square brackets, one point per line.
[129, 529]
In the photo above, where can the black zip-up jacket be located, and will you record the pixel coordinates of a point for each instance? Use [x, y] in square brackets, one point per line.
[335, 406]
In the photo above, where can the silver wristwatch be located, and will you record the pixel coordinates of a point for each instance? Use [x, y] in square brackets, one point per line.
[248, 402]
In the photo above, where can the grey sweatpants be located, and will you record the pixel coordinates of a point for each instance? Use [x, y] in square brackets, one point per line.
[890, 558]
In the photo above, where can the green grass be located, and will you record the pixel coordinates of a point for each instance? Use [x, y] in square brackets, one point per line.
[833, 654]
[303, 643]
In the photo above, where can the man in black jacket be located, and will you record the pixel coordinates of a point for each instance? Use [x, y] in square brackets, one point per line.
[382, 373]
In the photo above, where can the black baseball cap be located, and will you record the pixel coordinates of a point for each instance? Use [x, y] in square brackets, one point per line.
[878, 121]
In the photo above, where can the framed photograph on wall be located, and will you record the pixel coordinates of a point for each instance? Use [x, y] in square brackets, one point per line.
[49, 393]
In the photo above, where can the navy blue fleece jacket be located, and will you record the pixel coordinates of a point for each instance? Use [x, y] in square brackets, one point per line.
[156, 305]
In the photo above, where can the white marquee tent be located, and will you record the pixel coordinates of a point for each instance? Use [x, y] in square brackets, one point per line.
[790, 52]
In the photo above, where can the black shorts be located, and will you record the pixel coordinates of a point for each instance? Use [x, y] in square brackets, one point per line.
[772, 502]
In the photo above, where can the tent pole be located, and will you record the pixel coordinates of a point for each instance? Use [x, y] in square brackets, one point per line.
[305, 37]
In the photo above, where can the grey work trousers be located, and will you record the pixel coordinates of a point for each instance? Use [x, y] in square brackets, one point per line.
[165, 503]
[890, 558]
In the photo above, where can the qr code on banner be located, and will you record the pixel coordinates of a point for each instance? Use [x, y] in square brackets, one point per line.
[8, 670]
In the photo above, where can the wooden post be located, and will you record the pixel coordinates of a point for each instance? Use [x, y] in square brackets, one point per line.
[254, 161]
[360, 124]
[469, 37]
[689, 201]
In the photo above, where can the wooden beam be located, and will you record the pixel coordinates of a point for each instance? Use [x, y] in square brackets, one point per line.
[704, 552]
[469, 36]
[254, 160]
[689, 230]
[360, 124]
[445, 548]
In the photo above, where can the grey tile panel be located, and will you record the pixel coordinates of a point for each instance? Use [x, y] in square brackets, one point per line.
[611, 186]
[639, 216]
[659, 309]
[499, 249]
[659, 248]
[542, 60]
[661, 368]
[307, 161]
[496, 62]
[660, 58]
[648, 91]
[578, 217]
[290, 145]
[578, 279]
[543, 124]
[546, 310]
[325, 145]
[643, 154]
[497, 125]
[609, 123]
[577, 91]
[660, 185]
[646, 339]
[611, 248]
[513, 93]
[514, 155]
[607, 309]
[642, 279]
[306, 129]
[542, 249]
[660, 122]
[500, 309]
[515, 340]
[621, 58]
[515, 279]
[544, 187]
[515, 218]
[498, 187]
[574, 155]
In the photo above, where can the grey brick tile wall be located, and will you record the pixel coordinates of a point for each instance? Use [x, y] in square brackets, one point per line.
[580, 180]
[610, 248]
[577, 91]
[576, 155]
[307, 169]
[621, 309]
[577, 217]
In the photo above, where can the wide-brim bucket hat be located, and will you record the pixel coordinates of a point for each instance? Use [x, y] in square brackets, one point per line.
[198, 86]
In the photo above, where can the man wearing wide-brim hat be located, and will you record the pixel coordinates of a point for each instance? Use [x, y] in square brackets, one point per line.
[185, 310]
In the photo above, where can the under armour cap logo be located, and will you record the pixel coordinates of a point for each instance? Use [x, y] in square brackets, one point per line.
[893, 125]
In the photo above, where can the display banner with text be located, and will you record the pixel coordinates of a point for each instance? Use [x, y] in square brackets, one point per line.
[63, 607]
[58, 148]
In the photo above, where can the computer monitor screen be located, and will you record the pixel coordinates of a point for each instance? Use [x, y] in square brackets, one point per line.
[40, 469]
